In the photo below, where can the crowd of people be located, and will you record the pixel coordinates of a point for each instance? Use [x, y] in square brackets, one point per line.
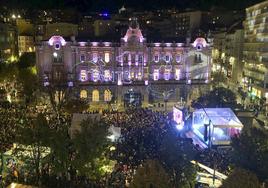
[220, 159]
[142, 129]
[12, 116]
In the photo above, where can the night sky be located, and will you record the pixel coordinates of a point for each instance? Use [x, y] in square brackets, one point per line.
[113, 5]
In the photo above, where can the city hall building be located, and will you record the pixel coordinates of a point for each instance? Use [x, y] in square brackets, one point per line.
[131, 71]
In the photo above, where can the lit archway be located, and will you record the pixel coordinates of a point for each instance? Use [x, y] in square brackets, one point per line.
[107, 95]
[95, 95]
[83, 94]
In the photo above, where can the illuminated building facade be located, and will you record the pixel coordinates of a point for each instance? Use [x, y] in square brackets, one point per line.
[227, 54]
[123, 71]
[255, 52]
[26, 44]
[8, 42]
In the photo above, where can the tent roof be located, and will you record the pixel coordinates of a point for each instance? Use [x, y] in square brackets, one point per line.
[221, 117]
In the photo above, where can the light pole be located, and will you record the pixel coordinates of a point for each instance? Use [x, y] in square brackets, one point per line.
[209, 125]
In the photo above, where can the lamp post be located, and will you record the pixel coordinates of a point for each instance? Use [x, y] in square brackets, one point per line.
[209, 144]
[209, 125]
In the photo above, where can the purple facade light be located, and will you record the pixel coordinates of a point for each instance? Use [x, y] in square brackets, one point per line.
[177, 74]
[95, 75]
[55, 39]
[146, 82]
[156, 74]
[94, 44]
[83, 76]
[119, 82]
[82, 44]
[167, 74]
[70, 84]
[46, 84]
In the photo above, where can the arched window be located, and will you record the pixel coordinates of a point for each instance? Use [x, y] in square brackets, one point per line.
[107, 95]
[95, 96]
[83, 94]
[106, 57]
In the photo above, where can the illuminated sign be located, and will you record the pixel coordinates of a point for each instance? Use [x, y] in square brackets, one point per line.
[177, 115]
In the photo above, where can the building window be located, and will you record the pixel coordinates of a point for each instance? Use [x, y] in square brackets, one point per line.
[95, 96]
[139, 76]
[107, 75]
[156, 58]
[57, 75]
[178, 58]
[136, 58]
[57, 46]
[167, 74]
[83, 75]
[132, 74]
[83, 94]
[177, 74]
[167, 58]
[156, 74]
[106, 57]
[95, 57]
[95, 75]
[82, 58]
[125, 58]
[107, 95]
[56, 57]
[140, 59]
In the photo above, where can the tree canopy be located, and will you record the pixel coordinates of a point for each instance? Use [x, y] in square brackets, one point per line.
[150, 174]
[251, 151]
[218, 97]
[27, 60]
[90, 146]
[241, 178]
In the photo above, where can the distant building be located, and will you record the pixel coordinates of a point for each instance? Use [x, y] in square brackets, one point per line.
[104, 28]
[26, 44]
[63, 29]
[227, 54]
[188, 22]
[86, 27]
[255, 74]
[131, 71]
[24, 27]
[8, 42]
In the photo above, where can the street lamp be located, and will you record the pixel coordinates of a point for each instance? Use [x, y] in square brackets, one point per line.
[209, 125]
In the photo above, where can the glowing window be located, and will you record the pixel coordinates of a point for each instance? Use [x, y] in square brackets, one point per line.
[107, 95]
[132, 74]
[178, 58]
[156, 74]
[83, 94]
[106, 57]
[83, 75]
[167, 74]
[94, 57]
[95, 96]
[139, 75]
[177, 74]
[107, 75]
[95, 75]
